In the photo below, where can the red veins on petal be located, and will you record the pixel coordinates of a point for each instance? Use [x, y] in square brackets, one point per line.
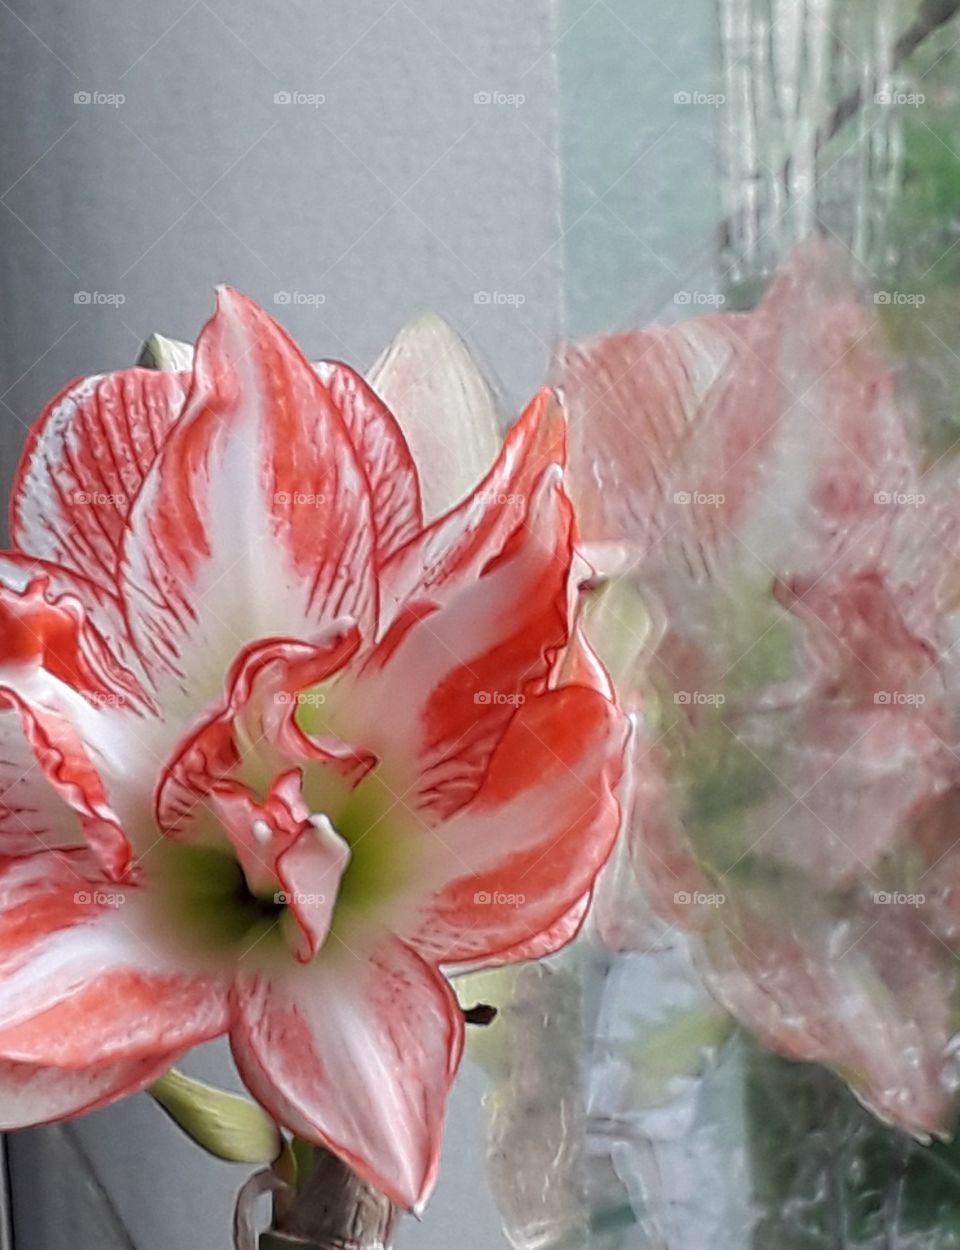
[313, 1044]
[65, 764]
[31, 1095]
[227, 671]
[84, 464]
[457, 676]
[82, 981]
[257, 512]
[384, 455]
[453, 549]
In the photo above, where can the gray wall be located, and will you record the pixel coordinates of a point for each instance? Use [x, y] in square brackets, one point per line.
[639, 121]
[399, 192]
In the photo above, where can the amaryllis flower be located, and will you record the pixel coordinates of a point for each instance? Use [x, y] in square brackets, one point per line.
[797, 549]
[273, 750]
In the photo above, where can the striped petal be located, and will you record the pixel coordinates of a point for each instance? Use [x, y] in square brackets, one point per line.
[514, 864]
[84, 978]
[255, 520]
[454, 680]
[76, 705]
[31, 1095]
[642, 408]
[252, 731]
[357, 1054]
[384, 455]
[84, 464]
[542, 944]
[454, 549]
[33, 817]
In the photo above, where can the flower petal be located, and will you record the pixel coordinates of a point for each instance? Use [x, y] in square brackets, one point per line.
[871, 999]
[76, 706]
[633, 402]
[31, 1095]
[456, 677]
[65, 763]
[383, 453]
[33, 817]
[446, 410]
[100, 606]
[84, 980]
[84, 464]
[310, 872]
[513, 864]
[547, 942]
[452, 550]
[255, 519]
[261, 830]
[253, 728]
[692, 445]
[287, 851]
[358, 1055]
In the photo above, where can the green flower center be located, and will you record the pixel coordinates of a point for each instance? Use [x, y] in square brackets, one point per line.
[204, 897]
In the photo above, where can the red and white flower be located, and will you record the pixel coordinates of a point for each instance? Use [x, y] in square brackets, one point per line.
[273, 751]
[796, 547]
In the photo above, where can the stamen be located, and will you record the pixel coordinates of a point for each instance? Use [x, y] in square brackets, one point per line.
[262, 831]
[327, 832]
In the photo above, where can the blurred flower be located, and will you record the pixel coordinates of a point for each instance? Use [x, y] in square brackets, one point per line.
[274, 751]
[795, 772]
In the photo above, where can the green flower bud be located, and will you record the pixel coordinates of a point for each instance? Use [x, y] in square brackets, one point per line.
[227, 1126]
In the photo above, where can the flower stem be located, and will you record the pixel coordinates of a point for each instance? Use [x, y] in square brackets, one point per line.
[331, 1209]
